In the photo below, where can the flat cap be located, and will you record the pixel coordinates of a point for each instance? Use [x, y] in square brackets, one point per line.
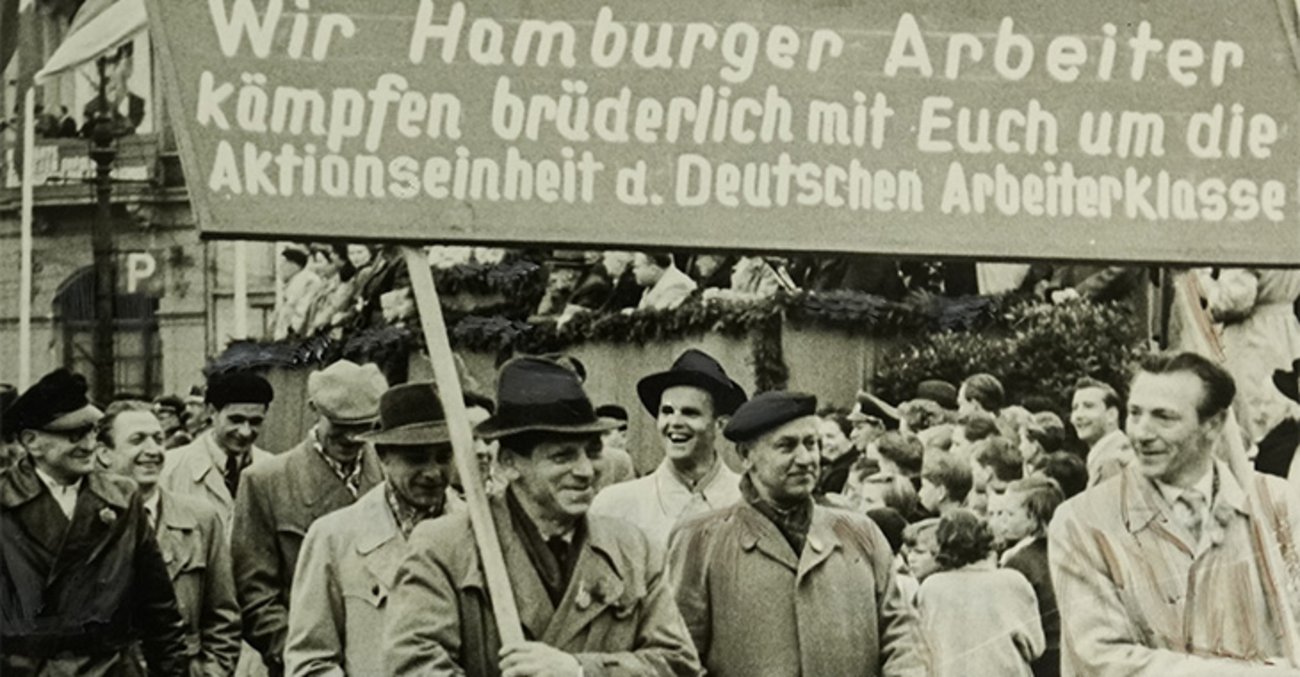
[57, 402]
[768, 411]
[347, 392]
[238, 387]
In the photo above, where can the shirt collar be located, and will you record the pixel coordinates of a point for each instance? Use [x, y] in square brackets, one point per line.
[56, 487]
[220, 455]
[152, 504]
[701, 485]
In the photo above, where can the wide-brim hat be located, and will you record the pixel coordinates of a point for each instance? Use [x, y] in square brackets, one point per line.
[410, 414]
[869, 406]
[535, 394]
[693, 368]
[1289, 381]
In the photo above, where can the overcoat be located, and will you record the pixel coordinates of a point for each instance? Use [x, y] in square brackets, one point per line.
[341, 590]
[755, 608]
[193, 543]
[617, 615]
[191, 471]
[1139, 597]
[278, 501]
[75, 596]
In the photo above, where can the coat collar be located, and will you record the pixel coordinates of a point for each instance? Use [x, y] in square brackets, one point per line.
[760, 534]
[309, 473]
[717, 485]
[380, 526]
[1142, 502]
[598, 581]
[21, 485]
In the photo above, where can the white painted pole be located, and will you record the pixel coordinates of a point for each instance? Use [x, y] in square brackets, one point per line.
[25, 264]
[241, 290]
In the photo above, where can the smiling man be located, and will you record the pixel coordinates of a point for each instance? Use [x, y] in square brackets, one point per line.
[1158, 569]
[591, 595]
[210, 467]
[1095, 415]
[777, 585]
[82, 582]
[690, 403]
[282, 497]
[189, 533]
[349, 560]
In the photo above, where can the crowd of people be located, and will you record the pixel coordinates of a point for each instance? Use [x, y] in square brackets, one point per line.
[337, 289]
[962, 532]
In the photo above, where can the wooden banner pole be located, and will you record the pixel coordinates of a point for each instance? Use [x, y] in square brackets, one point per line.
[462, 442]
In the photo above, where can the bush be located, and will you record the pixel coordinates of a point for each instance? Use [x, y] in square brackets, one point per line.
[1039, 349]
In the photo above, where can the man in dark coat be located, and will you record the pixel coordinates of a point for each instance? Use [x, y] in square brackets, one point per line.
[81, 576]
[280, 499]
[1019, 520]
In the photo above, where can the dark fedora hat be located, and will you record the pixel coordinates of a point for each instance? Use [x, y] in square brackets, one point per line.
[693, 368]
[410, 414]
[1289, 381]
[537, 394]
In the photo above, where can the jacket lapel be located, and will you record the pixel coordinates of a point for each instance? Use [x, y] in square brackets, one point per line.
[762, 535]
[535, 608]
[314, 480]
[174, 523]
[34, 508]
[209, 475]
[101, 511]
[380, 544]
[596, 585]
[821, 543]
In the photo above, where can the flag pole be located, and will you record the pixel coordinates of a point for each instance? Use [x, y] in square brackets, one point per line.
[25, 262]
[462, 443]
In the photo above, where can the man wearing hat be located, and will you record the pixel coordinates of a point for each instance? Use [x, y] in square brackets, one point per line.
[281, 498]
[690, 403]
[871, 417]
[211, 467]
[591, 595]
[170, 411]
[777, 585]
[350, 557]
[82, 581]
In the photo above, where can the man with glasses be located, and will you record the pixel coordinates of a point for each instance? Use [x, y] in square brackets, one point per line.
[281, 498]
[82, 581]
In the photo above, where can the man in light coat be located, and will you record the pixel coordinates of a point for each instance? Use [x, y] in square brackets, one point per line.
[190, 536]
[1174, 566]
[282, 497]
[592, 599]
[1095, 415]
[210, 468]
[690, 403]
[777, 585]
[666, 286]
[349, 561]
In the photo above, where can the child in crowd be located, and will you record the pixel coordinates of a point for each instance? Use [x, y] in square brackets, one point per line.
[976, 619]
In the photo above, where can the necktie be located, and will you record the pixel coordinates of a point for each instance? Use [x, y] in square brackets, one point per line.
[233, 467]
[148, 513]
[1190, 511]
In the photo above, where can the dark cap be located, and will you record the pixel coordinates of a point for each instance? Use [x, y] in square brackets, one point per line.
[940, 392]
[697, 369]
[170, 403]
[612, 411]
[238, 387]
[768, 411]
[57, 402]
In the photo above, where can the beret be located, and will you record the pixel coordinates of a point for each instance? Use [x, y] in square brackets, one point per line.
[57, 402]
[768, 411]
[238, 387]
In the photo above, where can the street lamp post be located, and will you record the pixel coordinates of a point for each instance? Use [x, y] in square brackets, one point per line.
[104, 153]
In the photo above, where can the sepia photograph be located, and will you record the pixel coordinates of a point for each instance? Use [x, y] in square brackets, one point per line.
[750, 338]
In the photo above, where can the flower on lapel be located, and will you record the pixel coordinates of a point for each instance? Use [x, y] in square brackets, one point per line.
[107, 516]
[601, 592]
[583, 598]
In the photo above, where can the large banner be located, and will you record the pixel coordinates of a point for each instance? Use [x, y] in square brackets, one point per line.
[1107, 129]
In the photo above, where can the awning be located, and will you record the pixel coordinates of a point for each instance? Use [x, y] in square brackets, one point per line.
[115, 25]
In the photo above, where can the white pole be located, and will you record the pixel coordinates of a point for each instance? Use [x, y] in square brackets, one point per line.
[25, 264]
[241, 290]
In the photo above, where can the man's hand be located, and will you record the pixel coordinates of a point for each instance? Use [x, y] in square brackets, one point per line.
[534, 659]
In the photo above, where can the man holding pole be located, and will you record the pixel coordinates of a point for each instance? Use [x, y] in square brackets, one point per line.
[591, 597]
[1182, 563]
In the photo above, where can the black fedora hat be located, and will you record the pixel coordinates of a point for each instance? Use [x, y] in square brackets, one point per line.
[693, 368]
[410, 414]
[537, 394]
[1289, 381]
